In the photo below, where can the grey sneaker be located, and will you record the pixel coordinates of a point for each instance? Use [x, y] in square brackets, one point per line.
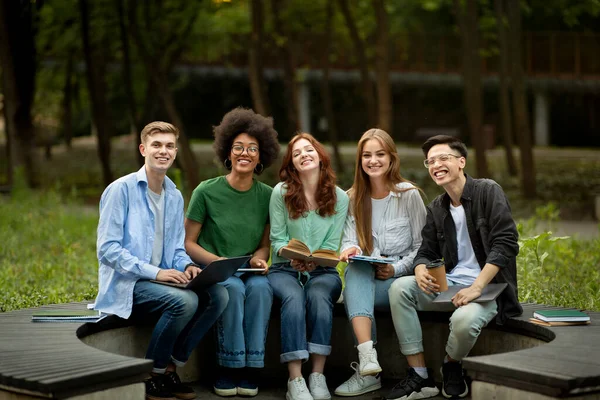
[358, 384]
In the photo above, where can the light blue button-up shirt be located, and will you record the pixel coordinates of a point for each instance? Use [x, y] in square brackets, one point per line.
[126, 237]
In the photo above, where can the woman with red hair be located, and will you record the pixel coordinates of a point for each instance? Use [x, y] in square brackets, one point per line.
[306, 205]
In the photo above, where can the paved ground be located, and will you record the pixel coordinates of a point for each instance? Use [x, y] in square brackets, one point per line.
[277, 390]
[577, 229]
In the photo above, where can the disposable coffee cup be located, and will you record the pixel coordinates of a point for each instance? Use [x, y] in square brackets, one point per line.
[437, 269]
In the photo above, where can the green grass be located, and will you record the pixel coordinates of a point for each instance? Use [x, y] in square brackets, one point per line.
[47, 251]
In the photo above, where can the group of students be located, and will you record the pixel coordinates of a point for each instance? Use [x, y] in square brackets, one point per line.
[143, 236]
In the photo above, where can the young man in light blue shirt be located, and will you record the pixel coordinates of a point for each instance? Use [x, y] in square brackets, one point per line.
[140, 238]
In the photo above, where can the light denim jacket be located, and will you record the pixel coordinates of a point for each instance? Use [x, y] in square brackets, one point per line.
[399, 234]
[126, 237]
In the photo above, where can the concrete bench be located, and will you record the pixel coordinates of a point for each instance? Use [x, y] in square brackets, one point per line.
[519, 360]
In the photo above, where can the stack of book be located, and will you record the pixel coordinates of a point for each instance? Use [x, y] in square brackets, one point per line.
[560, 317]
[51, 315]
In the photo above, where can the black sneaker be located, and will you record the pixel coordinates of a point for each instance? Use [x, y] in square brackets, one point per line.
[156, 390]
[453, 381]
[414, 387]
[173, 384]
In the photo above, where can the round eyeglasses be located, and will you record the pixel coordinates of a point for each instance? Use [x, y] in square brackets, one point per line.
[239, 149]
[440, 157]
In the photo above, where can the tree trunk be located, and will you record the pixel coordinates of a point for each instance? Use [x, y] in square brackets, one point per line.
[382, 64]
[258, 85]
[97, 91]
[363, 65]
[326, 91]
[159, 72]
[471, 64]
[136, 126]
[520, 101]
[289, 69]
[67, 104]
[17, 58]
[503, 90]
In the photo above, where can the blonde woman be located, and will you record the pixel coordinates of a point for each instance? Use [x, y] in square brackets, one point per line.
[385, 218]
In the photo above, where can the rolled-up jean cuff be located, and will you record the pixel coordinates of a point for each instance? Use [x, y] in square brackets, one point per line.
[159, 370]
[361, 314]
[409, 349]
[320, 349]
[293, 356]
[177, 362]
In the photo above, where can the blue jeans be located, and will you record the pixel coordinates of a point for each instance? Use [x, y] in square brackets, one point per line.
[466, 322]
[183, 319]
[306, 309]
[242, 328]
[364, 294]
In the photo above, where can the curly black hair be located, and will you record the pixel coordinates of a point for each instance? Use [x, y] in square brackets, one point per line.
[244, 120]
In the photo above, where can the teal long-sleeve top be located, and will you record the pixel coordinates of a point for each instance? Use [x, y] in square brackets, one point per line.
[315, 231]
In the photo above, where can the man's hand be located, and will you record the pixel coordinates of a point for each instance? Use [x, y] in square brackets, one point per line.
[192, 271]
[466, 295]
[348, 253]
[425, 281]
[259, 263]
[172, 275]
[384, 271]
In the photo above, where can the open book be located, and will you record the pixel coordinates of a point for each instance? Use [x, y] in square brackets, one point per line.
[297, 250]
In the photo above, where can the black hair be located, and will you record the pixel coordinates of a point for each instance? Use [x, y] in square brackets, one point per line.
[453, 142]
[244, 120]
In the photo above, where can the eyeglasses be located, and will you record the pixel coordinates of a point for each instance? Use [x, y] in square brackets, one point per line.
[239, 149]
[440, 157]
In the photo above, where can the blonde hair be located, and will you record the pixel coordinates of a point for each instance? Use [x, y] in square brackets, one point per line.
[158, 127]
[360, 192]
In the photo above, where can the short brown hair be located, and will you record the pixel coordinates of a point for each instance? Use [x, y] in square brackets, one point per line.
[158, 127]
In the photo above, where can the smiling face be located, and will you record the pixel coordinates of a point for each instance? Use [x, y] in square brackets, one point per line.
[159, 151]
[304, 156]
[244, 154]
[375, 161]
[448, 171]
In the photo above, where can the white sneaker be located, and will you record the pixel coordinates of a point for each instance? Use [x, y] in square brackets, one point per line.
[358, 384]
[318, 386]
[367, 362]
[297, 390]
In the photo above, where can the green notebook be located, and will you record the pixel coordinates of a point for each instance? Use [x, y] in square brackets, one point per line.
[561, 315]
[65, 315]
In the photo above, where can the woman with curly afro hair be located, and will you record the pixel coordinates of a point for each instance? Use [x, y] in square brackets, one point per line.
[307, 206]
[228, 216]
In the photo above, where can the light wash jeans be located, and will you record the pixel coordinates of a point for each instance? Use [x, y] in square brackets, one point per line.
[466, 322]
[364, 294]
[183, 319]
[306, 310]
[242, 328]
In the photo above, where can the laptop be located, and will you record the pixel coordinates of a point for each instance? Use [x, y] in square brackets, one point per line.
[489, 293]
[215, 272]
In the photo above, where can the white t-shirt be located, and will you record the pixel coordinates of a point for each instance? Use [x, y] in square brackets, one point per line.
[378, 207]
[467, 269]
[157, 205]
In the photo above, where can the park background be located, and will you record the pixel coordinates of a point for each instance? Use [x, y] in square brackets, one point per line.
[518, 81]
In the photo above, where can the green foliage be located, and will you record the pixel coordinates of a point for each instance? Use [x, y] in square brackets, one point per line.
[561, 271]
[48, 249]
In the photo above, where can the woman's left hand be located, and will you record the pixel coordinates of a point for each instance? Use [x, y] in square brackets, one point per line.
[259, 263]
[384, 271]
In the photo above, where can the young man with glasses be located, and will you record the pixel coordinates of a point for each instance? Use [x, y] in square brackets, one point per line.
[471, 228]
[140, 239]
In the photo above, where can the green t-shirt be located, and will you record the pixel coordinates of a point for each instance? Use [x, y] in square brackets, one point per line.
[232, 221]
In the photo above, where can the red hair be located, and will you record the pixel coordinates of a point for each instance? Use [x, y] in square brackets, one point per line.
[295, 201]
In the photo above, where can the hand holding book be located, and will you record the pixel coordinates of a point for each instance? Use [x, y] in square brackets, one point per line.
[297, 250]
